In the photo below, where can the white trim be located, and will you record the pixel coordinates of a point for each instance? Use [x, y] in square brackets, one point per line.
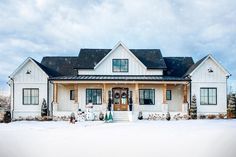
[23, 64]
[125, 47]
[217, 63]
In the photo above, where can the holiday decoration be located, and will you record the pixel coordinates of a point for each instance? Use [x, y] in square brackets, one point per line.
[72, 118]
[106, 117]
[231, 111]
[168, 116]
[89, 112]
[193, 108]
[109, 101]
[101, 116]
[110, 118]
[130, 100]
[44, 108]
[140, 115]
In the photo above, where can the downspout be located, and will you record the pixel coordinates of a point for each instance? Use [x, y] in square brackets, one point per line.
[13, 97]
[190, 95]
[48, 113]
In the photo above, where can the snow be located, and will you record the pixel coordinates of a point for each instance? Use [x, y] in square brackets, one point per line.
[195, 138]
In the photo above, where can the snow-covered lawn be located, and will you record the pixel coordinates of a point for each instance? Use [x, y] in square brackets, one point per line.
[193, 138]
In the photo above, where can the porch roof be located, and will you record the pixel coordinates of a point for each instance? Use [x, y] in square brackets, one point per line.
[119, 78]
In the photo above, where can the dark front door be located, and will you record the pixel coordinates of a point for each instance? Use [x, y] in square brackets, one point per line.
[120, 99]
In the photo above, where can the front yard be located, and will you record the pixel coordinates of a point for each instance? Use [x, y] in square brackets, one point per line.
[189, 138]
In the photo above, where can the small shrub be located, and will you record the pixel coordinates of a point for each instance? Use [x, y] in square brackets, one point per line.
[221, 116]
[202, 116]
[211, 116]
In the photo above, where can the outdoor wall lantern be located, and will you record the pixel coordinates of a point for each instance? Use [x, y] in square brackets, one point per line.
[28, 72]
[210, 70]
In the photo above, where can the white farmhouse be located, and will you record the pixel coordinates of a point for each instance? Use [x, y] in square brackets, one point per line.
[134, 79]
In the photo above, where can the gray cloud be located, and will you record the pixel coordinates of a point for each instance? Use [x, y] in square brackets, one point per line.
[179, 28]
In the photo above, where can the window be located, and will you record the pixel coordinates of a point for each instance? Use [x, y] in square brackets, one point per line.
[120, 65]
[72, 94]
[168, 95]
[94, 96]
[30, 96]
[208, 96]
[147, 96]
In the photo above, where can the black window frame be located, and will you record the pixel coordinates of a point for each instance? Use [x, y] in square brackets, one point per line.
[23, 96]
[208, 96]
[72, 94]
[120, 69]
[93, 89]
[170, 95]
[144, 96]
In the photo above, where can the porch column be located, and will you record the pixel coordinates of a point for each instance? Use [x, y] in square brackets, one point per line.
[136, 97]
[76, 93]
[76, 105]
[55, 96]
[185, 102]
[104, 97]
[164, 104]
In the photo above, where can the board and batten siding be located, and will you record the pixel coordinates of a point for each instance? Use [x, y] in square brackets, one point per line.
[36, 79]
[135, 66]
[217, 79]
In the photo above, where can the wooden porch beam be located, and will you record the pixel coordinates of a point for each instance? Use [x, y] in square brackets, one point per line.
[55, 92]
[185, 91]
[164, 93]
[76, 87]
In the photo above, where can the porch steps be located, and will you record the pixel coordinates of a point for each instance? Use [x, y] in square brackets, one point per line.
[121, 115]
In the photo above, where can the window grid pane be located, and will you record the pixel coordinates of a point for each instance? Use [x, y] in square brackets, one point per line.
[208, 96]
[30, 96]
[146, 97]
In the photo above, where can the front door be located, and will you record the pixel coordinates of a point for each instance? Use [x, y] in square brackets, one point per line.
[120, 99]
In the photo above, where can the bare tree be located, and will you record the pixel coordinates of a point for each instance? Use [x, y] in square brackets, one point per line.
[4, 102]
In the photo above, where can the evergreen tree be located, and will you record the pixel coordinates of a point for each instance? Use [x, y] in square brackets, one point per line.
[110, 118]
[232, 106]
[44, 108]
[106, 117]
[193, 108]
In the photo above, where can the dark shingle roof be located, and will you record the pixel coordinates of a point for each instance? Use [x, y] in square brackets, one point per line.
[177, 66]
[60, 66]
[48, 71]
[151, 58]
[89, 58]
[120, 78]
[194, 66]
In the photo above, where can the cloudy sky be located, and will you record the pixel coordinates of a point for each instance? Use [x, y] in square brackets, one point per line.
[38, 28]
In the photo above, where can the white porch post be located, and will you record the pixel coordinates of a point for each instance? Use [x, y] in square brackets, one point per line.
[164, 103]
[185, 103]
[55, 97]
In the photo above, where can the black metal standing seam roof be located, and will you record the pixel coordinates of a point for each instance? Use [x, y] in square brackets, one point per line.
[151, 58]
[194, 66]
[119, 78]
[177, 66]
[60, 66]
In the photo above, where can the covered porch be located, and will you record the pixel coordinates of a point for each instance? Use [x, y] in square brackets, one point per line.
[121, 93]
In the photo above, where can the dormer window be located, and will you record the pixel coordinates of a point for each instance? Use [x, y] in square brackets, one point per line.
[120, 65]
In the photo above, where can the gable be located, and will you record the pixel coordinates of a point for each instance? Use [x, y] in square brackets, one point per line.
[209, 71]
[134, 65]
[199, 63]
[29, 72]
[149, 58]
